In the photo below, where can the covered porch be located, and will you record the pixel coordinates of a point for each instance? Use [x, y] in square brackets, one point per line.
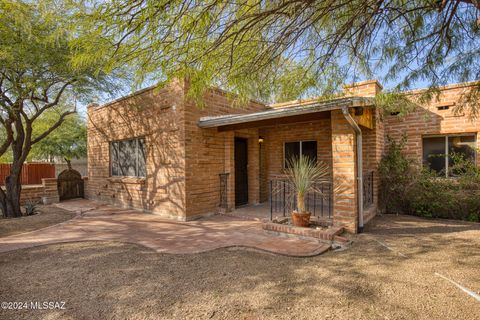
[334, 131]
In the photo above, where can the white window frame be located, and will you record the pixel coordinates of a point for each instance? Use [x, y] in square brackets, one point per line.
[446, 136]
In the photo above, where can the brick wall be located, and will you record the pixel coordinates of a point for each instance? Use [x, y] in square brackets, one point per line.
[157, 115]
[344, 172]
[276, 136]
[183, 161]
[45, 193]
[210, 153]
[373, 140]
[428, 120]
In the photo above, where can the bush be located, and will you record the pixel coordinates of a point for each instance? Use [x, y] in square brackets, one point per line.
[408, 188]
[31, 207]
[397, 174]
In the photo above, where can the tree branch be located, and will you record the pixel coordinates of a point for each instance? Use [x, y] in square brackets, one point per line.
[55, 101]
[55, 126]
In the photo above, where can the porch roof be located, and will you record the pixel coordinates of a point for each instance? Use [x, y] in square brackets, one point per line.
[298, 108]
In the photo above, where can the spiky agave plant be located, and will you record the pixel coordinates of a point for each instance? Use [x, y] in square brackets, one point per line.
[305, 175]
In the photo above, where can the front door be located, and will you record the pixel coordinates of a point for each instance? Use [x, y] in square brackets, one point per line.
[241, 172]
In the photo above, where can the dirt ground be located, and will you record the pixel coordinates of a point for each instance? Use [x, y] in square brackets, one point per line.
[387, 273]
[47, 216]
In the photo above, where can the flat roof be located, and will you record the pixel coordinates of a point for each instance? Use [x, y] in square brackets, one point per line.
[292, 110]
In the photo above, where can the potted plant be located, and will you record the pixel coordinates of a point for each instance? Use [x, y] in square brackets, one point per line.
[305, 175]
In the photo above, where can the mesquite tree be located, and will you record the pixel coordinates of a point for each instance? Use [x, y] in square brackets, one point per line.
[38, 73]
[277, 50]
[67, 142]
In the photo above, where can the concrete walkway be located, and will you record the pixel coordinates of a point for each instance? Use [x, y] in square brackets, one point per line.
[99, 222]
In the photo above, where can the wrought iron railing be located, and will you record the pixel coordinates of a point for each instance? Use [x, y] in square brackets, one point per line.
[368, 189]
[283, 200]
[224, 190]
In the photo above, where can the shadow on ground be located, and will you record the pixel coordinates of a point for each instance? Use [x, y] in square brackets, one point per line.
[367, 281]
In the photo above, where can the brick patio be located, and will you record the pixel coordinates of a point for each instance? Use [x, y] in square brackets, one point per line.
[99, 222]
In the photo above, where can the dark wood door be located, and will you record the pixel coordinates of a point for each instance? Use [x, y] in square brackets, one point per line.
[70, 184]
[241, 172]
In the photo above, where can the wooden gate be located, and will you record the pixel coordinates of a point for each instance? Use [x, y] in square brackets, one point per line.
[70, 184]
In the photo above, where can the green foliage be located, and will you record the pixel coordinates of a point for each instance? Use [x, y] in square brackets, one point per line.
[284, 49]
[69, 141]
[394, 103]
[397, 177]
[305, 175]
[31, 207]
[410, 189]
[41, 79]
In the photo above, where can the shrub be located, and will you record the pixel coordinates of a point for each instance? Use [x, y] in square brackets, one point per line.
[408, 188]
[396, 177]
[31, 207]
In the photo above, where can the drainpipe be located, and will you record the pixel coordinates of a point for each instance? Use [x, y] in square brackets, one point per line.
[358, 132]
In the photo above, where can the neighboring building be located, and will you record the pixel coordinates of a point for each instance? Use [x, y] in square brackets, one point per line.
[157, 151]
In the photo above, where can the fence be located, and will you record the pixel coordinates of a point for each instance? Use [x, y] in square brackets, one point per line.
[368, 189]
[283, 200]
[32, 173]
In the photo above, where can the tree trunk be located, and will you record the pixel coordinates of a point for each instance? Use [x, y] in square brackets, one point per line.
[10, 198]
[69, 163]
[301, 202]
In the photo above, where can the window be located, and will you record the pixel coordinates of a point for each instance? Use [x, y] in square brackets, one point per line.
[438, 151]
[128, 158]
[295, 149]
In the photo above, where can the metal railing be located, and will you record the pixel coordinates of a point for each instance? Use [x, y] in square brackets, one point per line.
[224, 190]
[283, 200]
[368, 189]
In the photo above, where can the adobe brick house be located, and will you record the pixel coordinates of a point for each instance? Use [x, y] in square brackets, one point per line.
[157, 151]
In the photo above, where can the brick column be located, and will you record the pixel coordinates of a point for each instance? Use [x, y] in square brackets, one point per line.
[344, 173]
[50, 191]
[367, 88]
[253, 169]
[229, 167]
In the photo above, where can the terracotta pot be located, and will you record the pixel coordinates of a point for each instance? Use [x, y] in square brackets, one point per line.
[301, 219]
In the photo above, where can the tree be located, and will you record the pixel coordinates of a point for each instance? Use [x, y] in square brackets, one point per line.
[284, 49]
[67, 142]
[42, 70]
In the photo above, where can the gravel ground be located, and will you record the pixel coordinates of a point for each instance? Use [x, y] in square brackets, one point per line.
[47, 216]
[387, 273]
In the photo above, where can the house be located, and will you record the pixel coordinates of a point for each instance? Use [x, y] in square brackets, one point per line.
[157, 151]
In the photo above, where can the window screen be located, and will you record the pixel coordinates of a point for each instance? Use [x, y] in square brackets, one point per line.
[128, 158]
[294, 149]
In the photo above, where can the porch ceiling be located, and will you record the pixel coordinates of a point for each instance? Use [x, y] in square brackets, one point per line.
[294, 113]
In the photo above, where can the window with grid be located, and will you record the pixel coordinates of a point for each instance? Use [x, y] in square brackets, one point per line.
[128, 158]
